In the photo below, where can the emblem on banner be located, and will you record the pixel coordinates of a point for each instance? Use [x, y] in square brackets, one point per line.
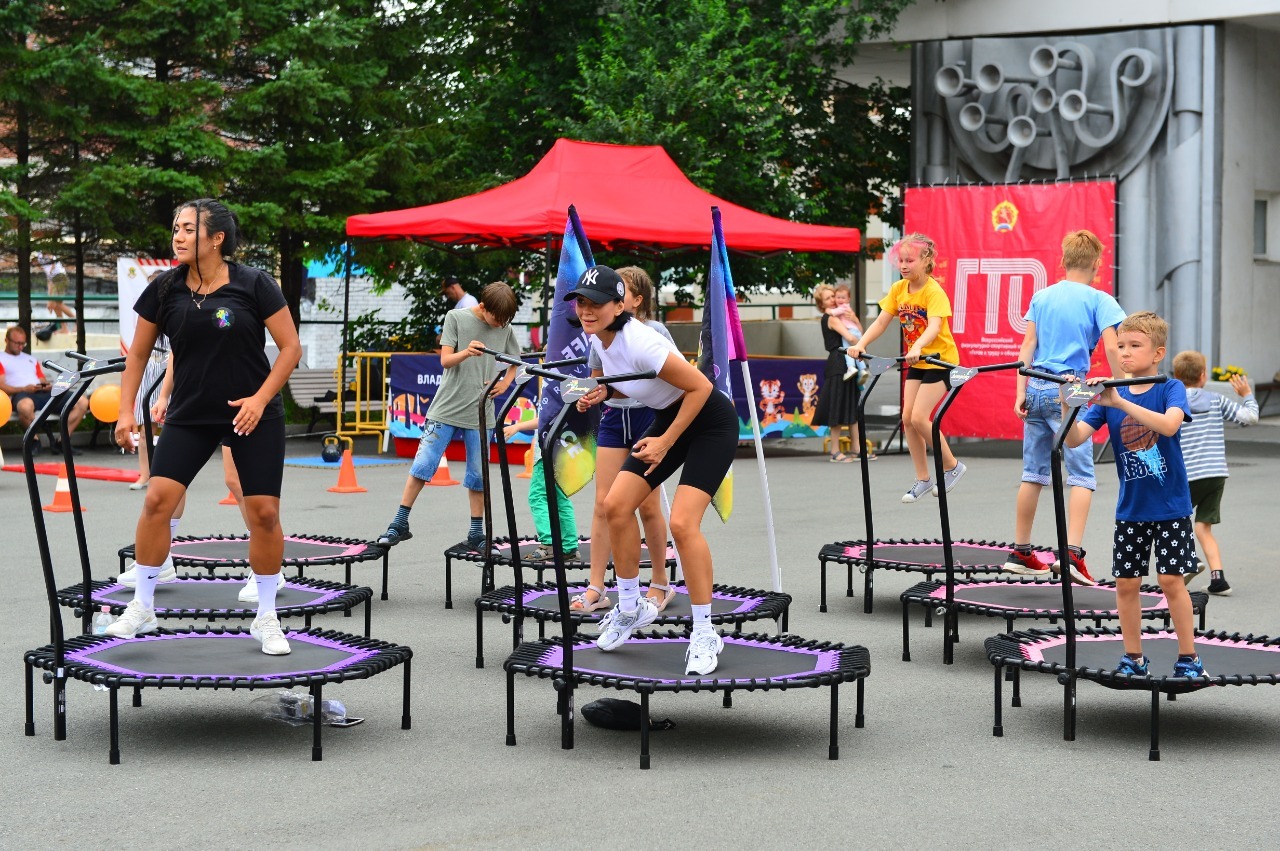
[1004, 217]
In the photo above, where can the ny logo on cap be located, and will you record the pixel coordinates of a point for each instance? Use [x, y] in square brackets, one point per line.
[589, 277]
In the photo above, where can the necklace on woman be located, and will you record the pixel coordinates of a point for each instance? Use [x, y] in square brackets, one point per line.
[200, 304]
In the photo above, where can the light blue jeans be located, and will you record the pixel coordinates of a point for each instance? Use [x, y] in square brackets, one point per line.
[1044, 417]
[435, 438]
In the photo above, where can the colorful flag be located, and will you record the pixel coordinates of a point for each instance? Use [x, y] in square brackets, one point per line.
[573, 457]
[721, 339]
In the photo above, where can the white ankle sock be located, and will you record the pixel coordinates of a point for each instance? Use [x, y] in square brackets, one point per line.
[628, 593]
[145, 590]
[702, 618]
[173, 527]
[266, 593]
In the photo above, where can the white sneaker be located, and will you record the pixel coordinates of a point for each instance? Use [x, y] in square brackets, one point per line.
[249, 593]
[951, 477]
[267, 630]
[622, 624]
[136, 620]
[129, 578]
[703, 654]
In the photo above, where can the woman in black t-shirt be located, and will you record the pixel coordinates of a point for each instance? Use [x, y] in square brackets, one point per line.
[215, 313]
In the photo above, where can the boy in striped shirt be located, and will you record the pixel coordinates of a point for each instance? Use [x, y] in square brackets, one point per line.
[1205, 452]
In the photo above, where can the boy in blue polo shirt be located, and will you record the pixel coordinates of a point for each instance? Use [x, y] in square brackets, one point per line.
[1153, 512]
[1064, 324]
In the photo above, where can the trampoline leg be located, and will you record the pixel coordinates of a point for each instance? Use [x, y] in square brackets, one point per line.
[448, 582]
[1172, 697]
[997, 727]
[137, 696]
[1017, 688]
[59, 708]
[928, 617]
[566, 718]
[347, 574]
[906, 634]
[849, 591]
[317, 717]
[406, 720]
[386, 555]
[29, 728]
[113, 756]
[833, 749]
[306, 621]
[868, 601]
[368, 617]
[948, 638]
[1154, 754]
[728, 699]
[479, 638]
[822, 599]
[786, 615]
[859, 720]
[644, 730]
[511, 709]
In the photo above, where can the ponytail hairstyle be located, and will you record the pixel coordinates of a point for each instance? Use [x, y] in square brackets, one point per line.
[215, 218]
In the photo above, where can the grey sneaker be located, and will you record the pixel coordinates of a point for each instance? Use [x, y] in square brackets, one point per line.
[619, 627]
[136, 620]
[919, 489]
[703, 653]
[950, 477]
[1201, 567]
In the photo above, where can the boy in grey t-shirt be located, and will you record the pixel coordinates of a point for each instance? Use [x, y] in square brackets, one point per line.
[455, 409]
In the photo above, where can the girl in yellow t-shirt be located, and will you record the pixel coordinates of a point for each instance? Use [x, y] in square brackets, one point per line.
[921, 305]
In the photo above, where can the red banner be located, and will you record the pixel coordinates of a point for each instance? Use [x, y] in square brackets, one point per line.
[997, 247]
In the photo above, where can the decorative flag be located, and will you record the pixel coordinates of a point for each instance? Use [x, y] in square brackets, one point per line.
[573, 457]
[721, 339]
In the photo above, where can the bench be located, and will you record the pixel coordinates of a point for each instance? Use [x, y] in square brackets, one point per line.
[314, 389]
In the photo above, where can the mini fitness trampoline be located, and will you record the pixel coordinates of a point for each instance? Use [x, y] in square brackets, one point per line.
[915, 556]
[653, 662]
[182, 658]
[221, 552]
[1005, 597]
[1091, 654]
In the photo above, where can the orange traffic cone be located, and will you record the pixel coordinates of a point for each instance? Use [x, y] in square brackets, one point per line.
[61, 493]
[439, 479]
[229, 499]
[347, 476]
[528, 465]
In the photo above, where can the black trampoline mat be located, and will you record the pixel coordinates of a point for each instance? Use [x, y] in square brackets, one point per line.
[1220, 658]
[664, 660]
[237, 549]
[678, 607]
[1043, 596]
[216, 656]
[927, 555]
[218, 595]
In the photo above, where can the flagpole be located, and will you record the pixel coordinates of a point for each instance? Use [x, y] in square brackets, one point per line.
[775, 570]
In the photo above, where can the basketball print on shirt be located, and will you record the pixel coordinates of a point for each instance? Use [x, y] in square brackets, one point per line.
[914, 319]
[1142, 456]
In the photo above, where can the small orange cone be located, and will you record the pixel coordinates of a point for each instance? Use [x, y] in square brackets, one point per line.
[61, 493]
[528, 465]
[229, 499]
[347, 476]
[440, 480]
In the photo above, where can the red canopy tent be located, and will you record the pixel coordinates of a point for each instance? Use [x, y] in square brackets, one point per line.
[630, 198]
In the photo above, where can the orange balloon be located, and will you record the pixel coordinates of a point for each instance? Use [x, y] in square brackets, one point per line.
[105, 403]
[6, 407]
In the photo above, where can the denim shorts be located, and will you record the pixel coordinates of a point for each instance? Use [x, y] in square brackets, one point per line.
[620, 428]
[1044, 417]
[435, 438]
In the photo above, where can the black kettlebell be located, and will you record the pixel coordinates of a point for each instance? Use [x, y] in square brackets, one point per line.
[332, 450]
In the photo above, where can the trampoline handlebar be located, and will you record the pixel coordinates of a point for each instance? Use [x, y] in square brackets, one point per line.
[557, 376]
[96, 367]
[1110, 382]
[992, 367]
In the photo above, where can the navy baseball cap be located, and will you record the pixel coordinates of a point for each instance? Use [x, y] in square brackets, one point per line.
[600, 284]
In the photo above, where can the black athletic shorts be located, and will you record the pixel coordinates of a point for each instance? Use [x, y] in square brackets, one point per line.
[706, 448]
[183, 449]
[929, 376]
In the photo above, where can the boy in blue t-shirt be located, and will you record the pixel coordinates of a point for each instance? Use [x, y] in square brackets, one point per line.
[1153, 511]
[1065, 322]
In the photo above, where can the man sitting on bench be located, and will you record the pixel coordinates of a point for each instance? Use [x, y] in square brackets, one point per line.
[23, 379]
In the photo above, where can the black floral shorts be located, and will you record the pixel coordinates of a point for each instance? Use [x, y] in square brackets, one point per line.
[1171, 541]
